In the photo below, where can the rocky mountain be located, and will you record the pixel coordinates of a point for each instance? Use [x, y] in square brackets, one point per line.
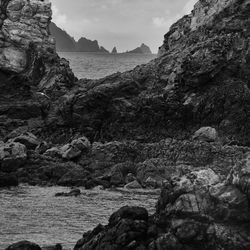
[180, 123]
[143, 49]
[64, 42]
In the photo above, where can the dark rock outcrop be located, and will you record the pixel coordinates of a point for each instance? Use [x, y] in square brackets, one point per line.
[201, 78]
[195, 211]
[8, 180]
[24, 245]
[32, 76]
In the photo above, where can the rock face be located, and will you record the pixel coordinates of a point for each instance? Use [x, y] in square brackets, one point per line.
[195, 211]
[200, 79]
[200, 82]
[28, 63]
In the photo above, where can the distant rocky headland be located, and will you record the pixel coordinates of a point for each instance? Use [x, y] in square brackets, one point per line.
[143, 49]
[180, 123]
[66, 43]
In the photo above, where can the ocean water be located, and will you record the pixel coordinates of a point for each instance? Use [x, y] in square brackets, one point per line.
[98, 65]
[35, 214]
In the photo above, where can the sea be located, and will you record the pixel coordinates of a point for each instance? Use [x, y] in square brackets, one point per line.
[34, 213]
[98, 65]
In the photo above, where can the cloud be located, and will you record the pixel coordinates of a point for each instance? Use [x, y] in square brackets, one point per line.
[160, 22]
[189, 6]
[58, 18]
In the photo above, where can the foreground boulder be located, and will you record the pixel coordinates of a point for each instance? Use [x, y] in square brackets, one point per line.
[27, 139]
[206, 134]
[75, 148]
[12, 156]
[195, 211]
[8, 180]
[74, 192]
[23, 245]
[127, 227]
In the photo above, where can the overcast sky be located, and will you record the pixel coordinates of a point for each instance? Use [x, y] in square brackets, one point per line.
[121, 23]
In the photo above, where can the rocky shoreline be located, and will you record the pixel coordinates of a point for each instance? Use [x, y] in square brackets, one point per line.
[180, 123]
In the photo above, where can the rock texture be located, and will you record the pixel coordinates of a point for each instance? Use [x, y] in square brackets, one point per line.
[201, 78]
[29, 64]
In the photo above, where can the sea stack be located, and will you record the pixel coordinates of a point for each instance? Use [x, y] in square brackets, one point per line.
[114, 50]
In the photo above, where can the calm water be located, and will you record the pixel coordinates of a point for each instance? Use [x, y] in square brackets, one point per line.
[97, 65]
[35, 214]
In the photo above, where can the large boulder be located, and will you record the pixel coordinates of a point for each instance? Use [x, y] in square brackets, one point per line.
[8, 180]
[206, 134]
[27, 139]
[23, 245]
[12, 156]
[133, 185]
[75, 148]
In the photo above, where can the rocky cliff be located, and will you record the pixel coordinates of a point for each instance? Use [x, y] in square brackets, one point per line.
[141, 128]
[28, 63]
[201, 78]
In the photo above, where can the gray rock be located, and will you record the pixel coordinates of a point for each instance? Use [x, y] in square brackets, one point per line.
[206, 134]
[23, 245]
[12, 156]
[133, 185]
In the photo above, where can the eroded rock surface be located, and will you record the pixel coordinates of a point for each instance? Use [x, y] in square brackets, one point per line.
[200, 79]
[28, 63]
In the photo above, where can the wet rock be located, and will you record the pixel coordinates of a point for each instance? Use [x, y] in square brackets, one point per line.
[8, 180]
[56, 247]
[12, 156]
[130, 178]
[74, 192]
[76, 176]
[27, 139]
[23, 245]
[206, 134]
[133, 185]
[53, 152]
[75, 148]
[153, 183]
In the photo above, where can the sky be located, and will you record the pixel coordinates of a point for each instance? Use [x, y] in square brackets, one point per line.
[125, 24]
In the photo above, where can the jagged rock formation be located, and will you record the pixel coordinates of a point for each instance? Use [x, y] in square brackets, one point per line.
[28, 63]
[143, 49]
[66, 43]
[200, 79]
